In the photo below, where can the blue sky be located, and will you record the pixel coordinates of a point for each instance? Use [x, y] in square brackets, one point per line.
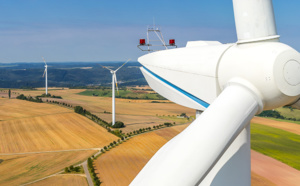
[102, 30]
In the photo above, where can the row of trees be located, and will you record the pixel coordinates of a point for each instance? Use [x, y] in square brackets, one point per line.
[123, 137]
[59, 103]
[91, 168]
[30, 98]
[50, 96]
[276, 114]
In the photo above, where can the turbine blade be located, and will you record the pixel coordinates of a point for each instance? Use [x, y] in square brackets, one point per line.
[44, 60]
[44, 72]
[212, 133]
[122, 65]
[105, 67]
[115, 76]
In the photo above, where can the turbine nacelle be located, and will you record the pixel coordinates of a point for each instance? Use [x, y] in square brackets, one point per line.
[195, 75]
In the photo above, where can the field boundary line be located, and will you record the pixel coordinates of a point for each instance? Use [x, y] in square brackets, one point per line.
[70, 150]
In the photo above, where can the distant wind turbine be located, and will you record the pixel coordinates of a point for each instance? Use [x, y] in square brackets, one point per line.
[114, 81]
[46, 76]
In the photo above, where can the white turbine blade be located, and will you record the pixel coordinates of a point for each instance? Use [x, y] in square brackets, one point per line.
[252, 27]
[44, 72]
[193, 153]
[115, 76]
[122, 65]
[44, 60]
[105, 67]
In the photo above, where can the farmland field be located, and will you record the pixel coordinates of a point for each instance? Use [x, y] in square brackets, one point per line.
[45, 127]
[131, 156]
[46, 130]
[34, 127]
[289, 126]
[120, 165]
[62, 180]
[136, 113]
[27, 168]
[279, 144]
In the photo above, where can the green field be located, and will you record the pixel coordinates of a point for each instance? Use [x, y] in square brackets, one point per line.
[127, 94]
[289, 113]
[279, 144]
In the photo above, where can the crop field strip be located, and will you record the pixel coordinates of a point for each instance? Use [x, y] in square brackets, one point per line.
[279, 124]
[27, 168]
[131, 156]
[63, 179]
[51, 132]
[13, 109]
[57, 129]
[276, 143]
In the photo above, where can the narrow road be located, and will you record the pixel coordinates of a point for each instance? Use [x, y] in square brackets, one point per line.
[87, 173]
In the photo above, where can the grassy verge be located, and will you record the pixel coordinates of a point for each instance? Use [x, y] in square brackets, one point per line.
[279, 144]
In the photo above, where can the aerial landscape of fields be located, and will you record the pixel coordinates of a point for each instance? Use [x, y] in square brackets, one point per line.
[43, 139]
[149, 93]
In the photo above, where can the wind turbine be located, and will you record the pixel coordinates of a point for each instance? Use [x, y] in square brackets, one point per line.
[113, 84]
[231, 83]
[46, 76]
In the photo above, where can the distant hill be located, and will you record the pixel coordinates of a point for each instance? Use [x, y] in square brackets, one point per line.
[68, 74]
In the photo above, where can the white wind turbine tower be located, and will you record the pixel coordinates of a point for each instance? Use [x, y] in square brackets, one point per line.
[46, 76]
[231, 83]
[113, 84]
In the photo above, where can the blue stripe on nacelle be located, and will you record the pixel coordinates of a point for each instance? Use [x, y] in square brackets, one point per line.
[201, 102]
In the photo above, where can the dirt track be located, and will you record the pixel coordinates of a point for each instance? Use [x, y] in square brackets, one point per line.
[273, 170]
[276, 172]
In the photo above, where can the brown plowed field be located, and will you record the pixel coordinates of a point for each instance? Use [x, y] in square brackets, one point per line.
[63, 180]
[273, 170]
[291, 127]
[20, 169]
[45, 127]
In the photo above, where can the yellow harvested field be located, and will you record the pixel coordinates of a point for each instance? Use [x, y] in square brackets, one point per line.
[120, 165]
[19, 109]
[135, 114]
[123, 106]
[20, 169]
[46, 127]
[62, 180]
